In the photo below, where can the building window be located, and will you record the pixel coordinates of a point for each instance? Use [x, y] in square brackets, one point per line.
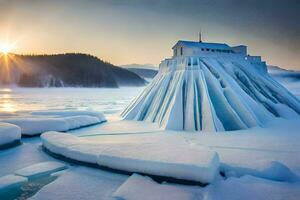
[202, 49]
[181, 51]
[207, 49]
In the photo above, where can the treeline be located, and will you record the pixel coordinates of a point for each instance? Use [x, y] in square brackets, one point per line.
[70, 70]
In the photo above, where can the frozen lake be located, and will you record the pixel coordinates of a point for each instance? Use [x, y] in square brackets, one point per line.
[108, 101]
[19, 101]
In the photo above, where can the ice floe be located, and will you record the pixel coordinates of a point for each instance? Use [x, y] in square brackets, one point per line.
[157, 154]
[43, 121]
[29, 179]
[10, 181]
[9, 134]
[82, 183]
[41, 169]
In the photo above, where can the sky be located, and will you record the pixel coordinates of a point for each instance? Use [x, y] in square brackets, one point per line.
[143, 31]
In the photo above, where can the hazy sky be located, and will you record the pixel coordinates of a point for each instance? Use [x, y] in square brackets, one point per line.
[143, 31]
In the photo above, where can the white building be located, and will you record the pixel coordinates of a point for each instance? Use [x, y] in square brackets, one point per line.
[191, 48]
[212, 87]
[187, 53]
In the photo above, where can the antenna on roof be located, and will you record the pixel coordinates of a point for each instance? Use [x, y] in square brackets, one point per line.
[200, 36]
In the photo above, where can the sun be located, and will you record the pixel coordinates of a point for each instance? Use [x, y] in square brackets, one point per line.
[6, 48]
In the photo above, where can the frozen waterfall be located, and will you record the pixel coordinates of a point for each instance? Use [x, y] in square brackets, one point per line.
[212, 93]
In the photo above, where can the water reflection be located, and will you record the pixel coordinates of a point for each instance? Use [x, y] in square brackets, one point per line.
[6, 101]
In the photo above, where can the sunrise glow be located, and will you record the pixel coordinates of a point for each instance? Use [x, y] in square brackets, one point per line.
[6, 48]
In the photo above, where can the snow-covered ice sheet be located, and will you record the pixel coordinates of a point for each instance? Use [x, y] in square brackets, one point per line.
[249, 187]
[118, 127]
[41, 169]
[69, 113]
[254, 151]
[155, 154]
[270, 152]
[9, 133]
[33, 126]
[170, 160]
[11, 181]
[81, 183]
[54, 120]
[29, 153]
[139, 187]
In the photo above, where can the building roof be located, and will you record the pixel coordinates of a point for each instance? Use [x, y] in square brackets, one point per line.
[202, 45]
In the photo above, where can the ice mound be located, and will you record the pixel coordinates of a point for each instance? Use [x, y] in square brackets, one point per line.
[10, 181]
[157, 154]
[44, 121]
[273, 170]
[41, 169]
[212, 93]
[9, 134]
[139, 187]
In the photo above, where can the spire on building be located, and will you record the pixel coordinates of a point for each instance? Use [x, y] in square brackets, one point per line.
[200, 36]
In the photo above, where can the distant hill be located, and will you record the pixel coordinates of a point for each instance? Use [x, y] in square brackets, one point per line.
[68, 70]
[283, 74]
[288, 78]
[143, 66]
[145, 71]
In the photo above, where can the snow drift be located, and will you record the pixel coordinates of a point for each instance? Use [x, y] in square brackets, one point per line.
[212, 93]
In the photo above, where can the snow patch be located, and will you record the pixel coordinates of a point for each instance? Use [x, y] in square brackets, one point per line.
[249, 187]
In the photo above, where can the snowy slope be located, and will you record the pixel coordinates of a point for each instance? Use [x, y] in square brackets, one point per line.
[213, 93]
